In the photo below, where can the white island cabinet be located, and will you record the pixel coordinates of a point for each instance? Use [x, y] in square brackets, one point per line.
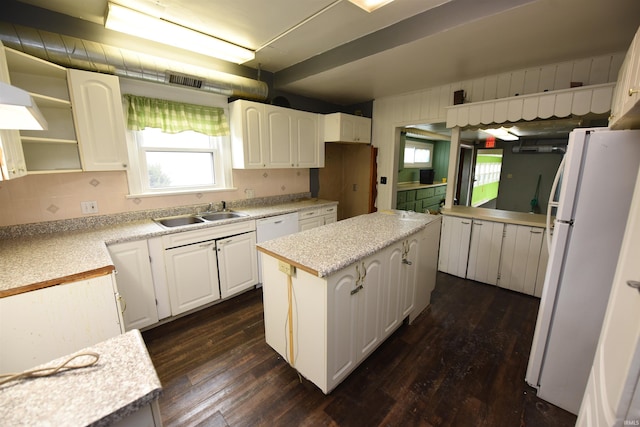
[353, 283]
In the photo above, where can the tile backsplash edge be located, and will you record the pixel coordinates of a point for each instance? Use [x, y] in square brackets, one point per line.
[95, 221]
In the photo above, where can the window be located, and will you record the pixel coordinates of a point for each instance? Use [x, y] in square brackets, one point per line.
[418, 154]
[178, 162]
[176, 147]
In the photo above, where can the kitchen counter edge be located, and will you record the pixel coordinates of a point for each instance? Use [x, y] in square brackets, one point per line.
[36, 262]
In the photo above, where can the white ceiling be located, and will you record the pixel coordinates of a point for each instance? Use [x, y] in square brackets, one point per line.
[334, 51]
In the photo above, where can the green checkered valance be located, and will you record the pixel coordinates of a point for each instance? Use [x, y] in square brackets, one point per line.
[174, 117]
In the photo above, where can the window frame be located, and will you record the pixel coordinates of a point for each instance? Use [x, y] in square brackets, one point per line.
[139, 179]
[135, 175]
[418, 145]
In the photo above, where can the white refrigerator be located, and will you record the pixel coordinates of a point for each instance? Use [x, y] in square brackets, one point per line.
[600, 169]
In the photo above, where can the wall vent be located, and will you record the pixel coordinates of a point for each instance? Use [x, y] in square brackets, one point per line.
[182, 80]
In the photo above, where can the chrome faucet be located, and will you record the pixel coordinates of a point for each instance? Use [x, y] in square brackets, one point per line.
[224, 205]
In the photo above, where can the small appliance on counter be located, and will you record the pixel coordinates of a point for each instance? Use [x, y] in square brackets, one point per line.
[426, 176]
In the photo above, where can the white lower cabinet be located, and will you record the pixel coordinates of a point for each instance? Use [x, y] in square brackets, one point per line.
[508, 255]
[519, 264]
[408, 276]
[204, 265]
[192, 276]
[135, 283]
[49, 323]
[390, 302]
[454, 245]
[237, 263]
[313, 218]
[484, 251]
[340, 319]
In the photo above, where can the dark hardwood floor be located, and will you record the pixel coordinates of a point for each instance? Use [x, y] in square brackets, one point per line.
[462, 363]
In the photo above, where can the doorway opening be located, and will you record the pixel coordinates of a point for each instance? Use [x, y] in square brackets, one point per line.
[486, 183]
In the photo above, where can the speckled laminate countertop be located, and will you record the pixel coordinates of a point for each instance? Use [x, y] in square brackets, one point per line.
[325, 250]
[41, 260]
[509, 217]
[121, 382]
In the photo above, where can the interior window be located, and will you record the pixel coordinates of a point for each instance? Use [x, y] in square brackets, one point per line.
[418, 155]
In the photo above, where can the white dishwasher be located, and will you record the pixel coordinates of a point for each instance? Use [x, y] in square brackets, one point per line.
[272, 228]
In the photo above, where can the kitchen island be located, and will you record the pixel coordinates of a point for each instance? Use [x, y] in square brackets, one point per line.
[333, 294]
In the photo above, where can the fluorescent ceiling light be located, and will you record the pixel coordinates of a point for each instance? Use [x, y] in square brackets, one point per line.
[138, 24]
[370, 5]
[501, 133]
[18, 110]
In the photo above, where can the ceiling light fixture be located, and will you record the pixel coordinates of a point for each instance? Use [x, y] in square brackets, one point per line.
[501, 133]
[370, 5]
[138, 24]
[18, 110]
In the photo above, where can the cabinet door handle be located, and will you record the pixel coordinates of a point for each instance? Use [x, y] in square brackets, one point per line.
[632, 91]
[634, 284]
[278, 222]
[466, 222]
[205, 245]
[356, 290]
[535, 232]
[406, 261]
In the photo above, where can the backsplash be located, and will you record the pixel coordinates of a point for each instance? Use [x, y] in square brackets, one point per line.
[55, 197]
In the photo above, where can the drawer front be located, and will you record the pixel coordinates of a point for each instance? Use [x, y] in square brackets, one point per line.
[441, 190]
[204, 234]
[309, 213]
[424, 193]
[411, 195]
[330, 210]
[402, 197]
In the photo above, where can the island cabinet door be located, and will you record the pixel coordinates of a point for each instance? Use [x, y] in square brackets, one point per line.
[409, 266]
[342, 304]
[368, 299]
[390, 300]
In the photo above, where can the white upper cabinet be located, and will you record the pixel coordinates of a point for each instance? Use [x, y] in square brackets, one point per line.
[625, 109]
[56, 148]
[340, 127]
[99, 120]
[270, 137]
[12, 163]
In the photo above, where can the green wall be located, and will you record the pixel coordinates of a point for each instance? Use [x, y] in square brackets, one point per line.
[440, 162]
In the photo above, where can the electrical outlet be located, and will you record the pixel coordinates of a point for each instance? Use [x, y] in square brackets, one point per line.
[89, 207]
[249, 193]
[286, 268]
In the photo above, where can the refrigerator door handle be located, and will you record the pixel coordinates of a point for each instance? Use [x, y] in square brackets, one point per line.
[553, 203]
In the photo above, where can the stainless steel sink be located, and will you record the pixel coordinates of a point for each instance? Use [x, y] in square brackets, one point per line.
[217, 216]
[177, 221]
[181, 220]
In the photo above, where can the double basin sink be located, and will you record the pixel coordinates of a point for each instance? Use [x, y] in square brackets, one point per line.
[179, 221]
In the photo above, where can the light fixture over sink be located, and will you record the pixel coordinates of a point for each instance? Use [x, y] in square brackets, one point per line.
[18, 110]
[125, 20]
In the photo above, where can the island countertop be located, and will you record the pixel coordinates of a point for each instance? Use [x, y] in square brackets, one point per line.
[325, 250]
[120, 383]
